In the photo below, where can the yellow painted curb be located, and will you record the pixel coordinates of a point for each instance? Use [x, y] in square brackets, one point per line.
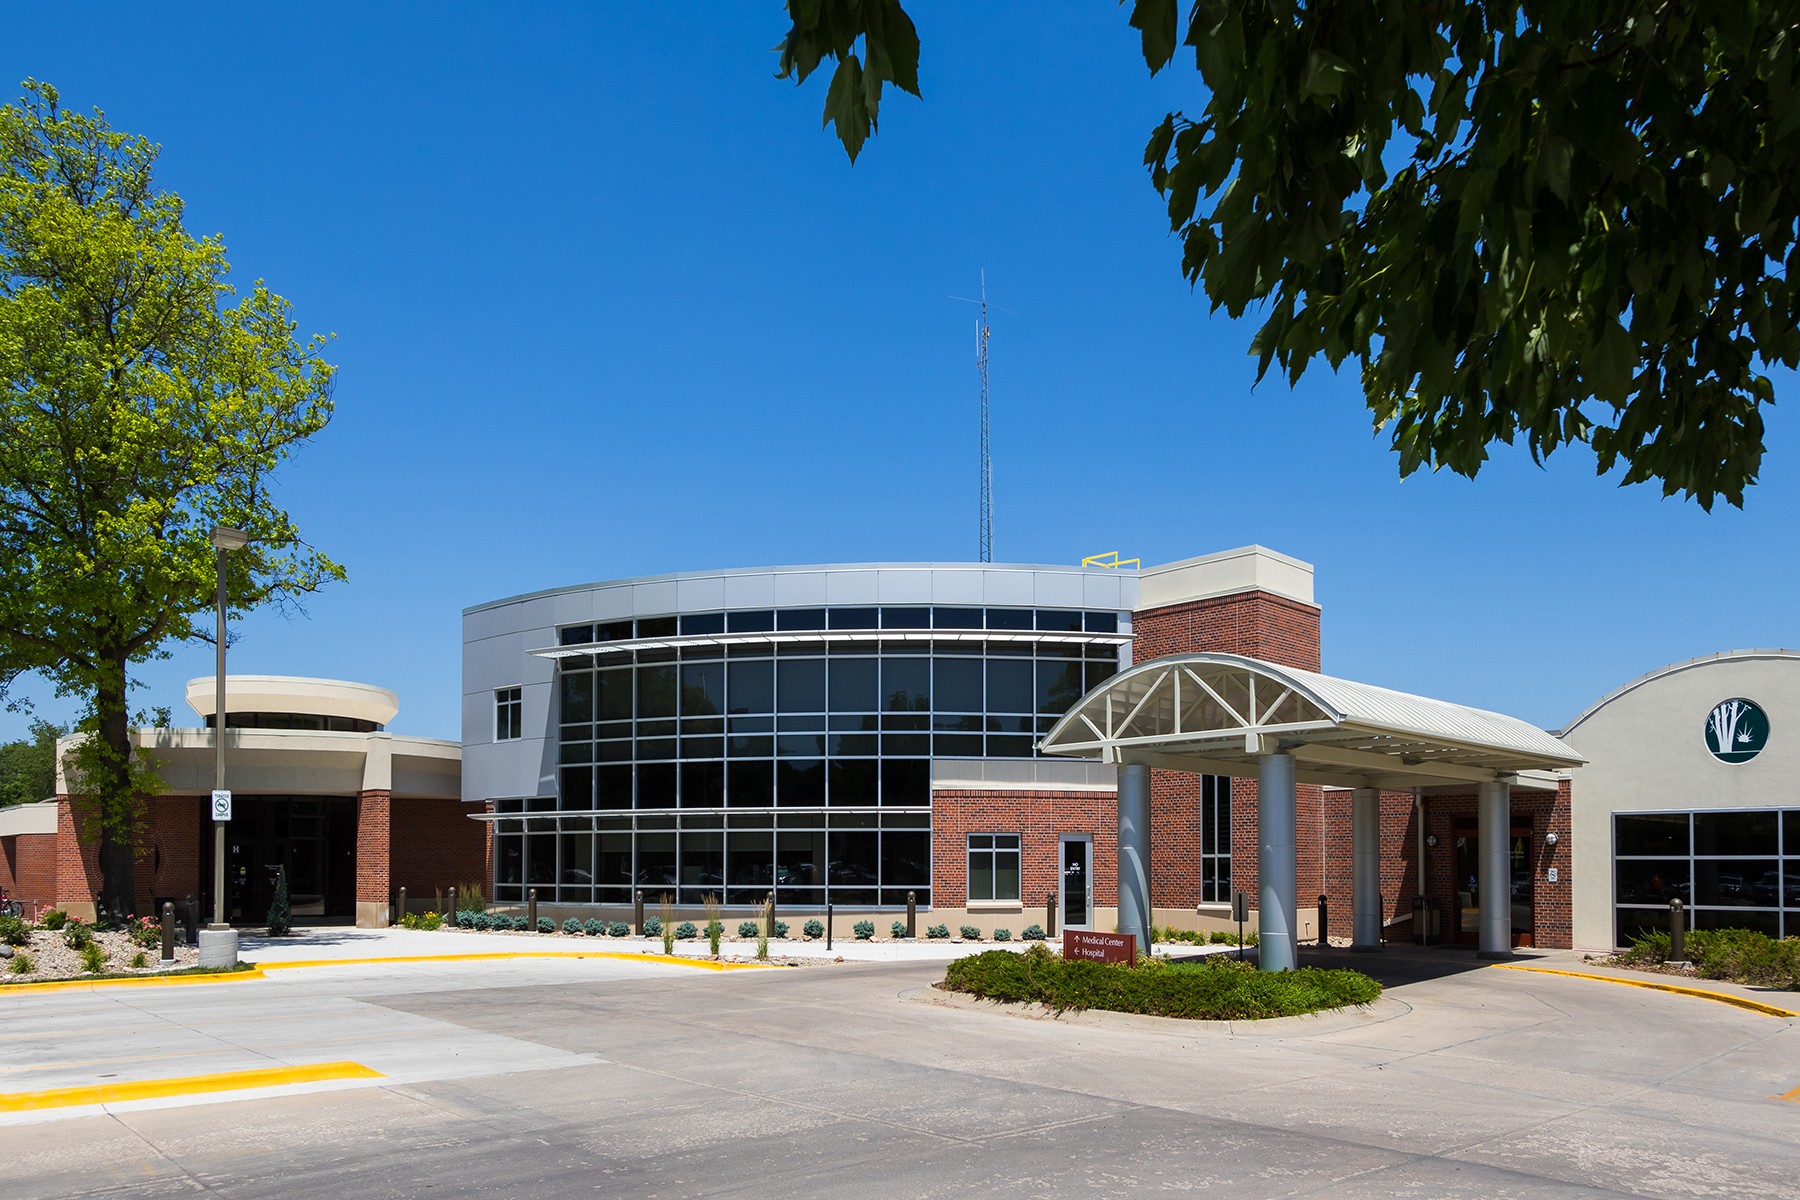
[65, 985]
[187, 1085]
[702, 963]
[1722, 997]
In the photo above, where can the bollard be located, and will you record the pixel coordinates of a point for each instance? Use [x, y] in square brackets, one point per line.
[771, 917]
[168, 931]
[1677, 933]
[400, 914]
[531, 910]
[637, 912]
[912, 914]
[1324, 922]
[190, 920]
[1050, 916]
[450, 909]
[827, 924]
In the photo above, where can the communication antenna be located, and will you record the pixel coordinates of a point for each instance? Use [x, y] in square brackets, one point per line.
[982, 331]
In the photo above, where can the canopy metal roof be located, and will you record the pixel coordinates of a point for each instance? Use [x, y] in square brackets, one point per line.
[1216, 713]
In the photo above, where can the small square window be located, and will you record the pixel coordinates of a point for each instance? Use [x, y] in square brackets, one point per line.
[993, 867]
[509, 714]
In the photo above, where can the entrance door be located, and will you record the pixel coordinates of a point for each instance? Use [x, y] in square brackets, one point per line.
[1469, 883]
[1076, 889]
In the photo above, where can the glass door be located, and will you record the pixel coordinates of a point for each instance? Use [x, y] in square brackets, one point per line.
[1076, 887]
[1469, 883]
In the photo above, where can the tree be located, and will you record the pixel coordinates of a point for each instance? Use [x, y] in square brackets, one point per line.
[143, 402]
[1568, 221]
[28, 767]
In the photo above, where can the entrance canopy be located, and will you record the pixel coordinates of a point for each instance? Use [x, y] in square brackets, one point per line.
[1220, 713]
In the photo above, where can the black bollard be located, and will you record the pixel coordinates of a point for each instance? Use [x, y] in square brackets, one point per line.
[168, 931]
[190, 918]
[450, 912]
[400, 912]
[637, 915]
[1677, 932]
[1324, 920]
[771, 911]
[531, 910]
[912, 914]
[828, 924]
[1050, 916]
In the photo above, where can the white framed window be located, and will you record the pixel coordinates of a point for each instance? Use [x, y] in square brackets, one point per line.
[993, 867]
[509, 714]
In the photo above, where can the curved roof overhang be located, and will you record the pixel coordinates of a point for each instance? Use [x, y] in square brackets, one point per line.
[1218, 713]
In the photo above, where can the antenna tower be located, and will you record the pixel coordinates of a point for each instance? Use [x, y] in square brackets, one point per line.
[987, 462]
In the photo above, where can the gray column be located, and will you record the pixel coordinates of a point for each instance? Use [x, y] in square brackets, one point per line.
[1494, 804]
[1275, 861]
[1365, 869]
[1134, 853]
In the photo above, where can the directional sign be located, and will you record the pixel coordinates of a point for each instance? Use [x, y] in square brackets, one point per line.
[221, 806]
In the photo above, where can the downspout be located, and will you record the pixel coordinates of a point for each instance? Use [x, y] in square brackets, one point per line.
[1419, 838]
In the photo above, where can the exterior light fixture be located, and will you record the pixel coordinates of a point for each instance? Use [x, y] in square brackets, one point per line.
[1549, 839]
[1431, 840]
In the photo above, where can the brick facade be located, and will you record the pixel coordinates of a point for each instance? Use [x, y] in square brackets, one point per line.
[1453, 816]
[1257, 624]
[1399, 865]
[374, 839]
[434, 846]
[1040, 818]
[28, 870]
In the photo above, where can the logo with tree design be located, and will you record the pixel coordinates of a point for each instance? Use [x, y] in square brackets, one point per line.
[1736, 730]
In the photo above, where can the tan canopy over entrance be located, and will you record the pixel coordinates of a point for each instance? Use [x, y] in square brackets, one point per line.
[1225, 714]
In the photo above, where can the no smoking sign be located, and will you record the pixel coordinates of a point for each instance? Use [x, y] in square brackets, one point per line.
[221, 806]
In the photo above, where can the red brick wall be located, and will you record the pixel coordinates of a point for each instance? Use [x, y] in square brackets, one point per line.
[435, 846]
[1551, 902]
[77, 864]
[1399, 859]
[1258, 624]
[374, 837]
[1040, 818]
[170, 867]
[28, 870]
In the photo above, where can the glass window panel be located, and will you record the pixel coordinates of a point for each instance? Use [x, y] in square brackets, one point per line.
[906, 618]
[953, 723]
[1009, 618]
[1790, 890]
[655, 863]
[751, 784]
[749, 866]
[800, 745]
[509, 857]
[800, 866]
[844, 819]
[855, 685]
[853, 782]
[1059, 685]
[855, 861]
[1010, 724]
[755, 746]
[801, 723]
[799, 618]
[1010, 649]
[612, 787]
[1729, 883]
[1009, 746]
[957, 745]
[702, 688]
[702, 784]
[854, 618]
[1760, 922]
[854, 723]
[613, 750]
[956, 684]
[1735, 833]
[752, 685]
[906, 722]
[702, 623]
[573, 635]
[1652, 881]
[648, 748]
[956, 618]
[752, 724]
[800, 783]
[575, 752]
[1009, 686]
[656, 785]
[905, 743]
[1102, 622]
[905, 859]
[1059, 620]
[1633, 923]
[656, 686]
[800, 685]
[613, 694]
[656, 627]
[1650, 833]
[540, 858]
[577, 697]
[613, 631]
[906, 685]
[756, 620]
[981, 876]
[1790, 832]
[850, 745]
[575, 788]
[1006, 875]
[702, 864]
[577, 859]
[1097, 673]
[702, 747]
[612, 859]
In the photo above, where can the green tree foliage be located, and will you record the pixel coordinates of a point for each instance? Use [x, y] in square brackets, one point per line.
[1560, 222]
[281, 920]
[143, 401]
[28, 767]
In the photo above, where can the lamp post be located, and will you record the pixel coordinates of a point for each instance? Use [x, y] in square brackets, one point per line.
[224, 538]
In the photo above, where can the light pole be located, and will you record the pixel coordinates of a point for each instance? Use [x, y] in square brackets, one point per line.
[224, 538]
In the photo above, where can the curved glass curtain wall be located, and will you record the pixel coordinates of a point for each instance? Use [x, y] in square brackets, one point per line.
[801, 767]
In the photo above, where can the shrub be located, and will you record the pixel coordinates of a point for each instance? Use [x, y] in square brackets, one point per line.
[1229, 937]
[1738, 955]
[523, 924]
[864, 930]
[897, 929]
[618, 929]
[77, 936]
[14, 932]
[572, 925]
[144, 932]
[55, 919]
[715, 928]
[93, 957]
[780, 929]
[138, 961]
[21, 964]
[594, 927]
[426, 921]
[468, 898]
[281, 917]
[478, 920]
[545, 925]
[1003, 935]
[652, 926]
[1033, 933]
[687, 931]
[814, 928]
[938, 931]
[969, 933]
[1213, 988]
[465, 919]
[748, 929]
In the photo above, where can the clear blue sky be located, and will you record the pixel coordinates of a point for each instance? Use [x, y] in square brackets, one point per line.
[608, 302]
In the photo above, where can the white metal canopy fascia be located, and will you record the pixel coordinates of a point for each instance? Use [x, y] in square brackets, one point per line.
[1218, 713]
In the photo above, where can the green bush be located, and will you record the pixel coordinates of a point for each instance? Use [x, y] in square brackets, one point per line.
[523, 924]
[1033, 933]
[144, 932]
[938, 931]
[281, 916]
[572, 925]
[138, 961]
[480, 920]
[969, 933]
[21, 964]
[652, 926]
[429, 921]
[594, 927]
[1003, 935]
[780, 929]
[618, 929]
[545, 925]
[93, 957]
[468, 899]
[687, 931]
[55, 919]
[14, 932]
[864, 930]
[814, 928]
[1229, 937]
[1215, 988]
[465, 919]
[77, 936]
[897, 929]
[1735, 955]
[748, 929]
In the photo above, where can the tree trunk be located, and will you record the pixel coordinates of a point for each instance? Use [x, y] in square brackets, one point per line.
[110, 785]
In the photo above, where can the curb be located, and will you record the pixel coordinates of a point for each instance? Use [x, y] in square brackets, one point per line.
[1744, 1002]
[187, 1085]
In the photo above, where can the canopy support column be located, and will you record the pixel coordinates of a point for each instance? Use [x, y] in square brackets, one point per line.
[1134, 853]
[1276, 863]
[1494, 808]
[1365, 871]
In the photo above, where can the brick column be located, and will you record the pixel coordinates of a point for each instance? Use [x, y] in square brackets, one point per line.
[374, 835]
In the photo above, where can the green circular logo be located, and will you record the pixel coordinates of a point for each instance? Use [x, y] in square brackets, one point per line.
[1736, 730]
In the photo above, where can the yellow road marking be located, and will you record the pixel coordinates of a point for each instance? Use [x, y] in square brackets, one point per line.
[65, 985]
[188, 1085]
[1791, 1094]
[1722, 997]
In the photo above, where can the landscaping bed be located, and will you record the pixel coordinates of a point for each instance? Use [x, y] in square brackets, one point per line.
[1211, 989]
[1732, 955]
[65, 949]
